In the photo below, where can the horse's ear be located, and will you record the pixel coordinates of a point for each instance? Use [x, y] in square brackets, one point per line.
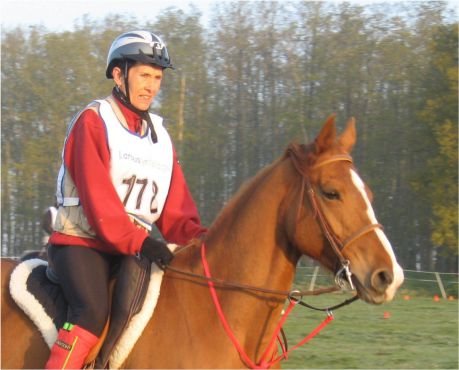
[327, 135]
[348, 137]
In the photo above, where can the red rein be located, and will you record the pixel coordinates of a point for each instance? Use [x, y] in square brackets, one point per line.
[264, 363]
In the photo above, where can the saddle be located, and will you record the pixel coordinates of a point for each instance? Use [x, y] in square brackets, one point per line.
[134, 291]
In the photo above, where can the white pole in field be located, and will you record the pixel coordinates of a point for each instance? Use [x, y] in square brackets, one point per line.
[440, 284]
[314, 277]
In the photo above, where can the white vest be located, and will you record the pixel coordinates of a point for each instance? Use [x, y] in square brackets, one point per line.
[140, 170]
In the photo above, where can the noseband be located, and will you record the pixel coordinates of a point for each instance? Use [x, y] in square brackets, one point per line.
[343, 273]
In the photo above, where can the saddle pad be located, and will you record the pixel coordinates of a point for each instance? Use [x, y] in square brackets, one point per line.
[32, 307]
[27, 301]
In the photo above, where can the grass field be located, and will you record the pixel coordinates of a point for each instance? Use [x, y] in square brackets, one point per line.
[419, 334]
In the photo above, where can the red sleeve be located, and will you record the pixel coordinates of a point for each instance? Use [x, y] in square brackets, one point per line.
[179, 221]
[87, 158]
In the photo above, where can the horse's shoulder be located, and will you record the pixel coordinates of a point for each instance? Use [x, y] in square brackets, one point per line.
[7, 265]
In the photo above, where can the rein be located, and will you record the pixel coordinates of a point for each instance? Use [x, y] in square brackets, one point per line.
[295, 297]
[227, 284]
[264, 363]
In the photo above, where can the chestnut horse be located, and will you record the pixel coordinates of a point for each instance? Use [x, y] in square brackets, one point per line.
[310, 201]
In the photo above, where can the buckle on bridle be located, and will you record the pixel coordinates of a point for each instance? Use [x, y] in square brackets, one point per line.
[293, 299]
[343, 276]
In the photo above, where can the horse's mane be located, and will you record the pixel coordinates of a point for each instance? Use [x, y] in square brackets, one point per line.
[245, 192]
[247, 189]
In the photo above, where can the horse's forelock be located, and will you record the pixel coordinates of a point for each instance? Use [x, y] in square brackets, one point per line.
[303, 154]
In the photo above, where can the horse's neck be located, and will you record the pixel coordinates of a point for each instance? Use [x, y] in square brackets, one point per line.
[249, 231]
[248, 242]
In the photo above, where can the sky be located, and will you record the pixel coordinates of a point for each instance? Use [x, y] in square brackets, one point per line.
[60, 15]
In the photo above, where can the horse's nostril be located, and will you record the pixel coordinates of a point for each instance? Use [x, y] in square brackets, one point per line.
[381, 279]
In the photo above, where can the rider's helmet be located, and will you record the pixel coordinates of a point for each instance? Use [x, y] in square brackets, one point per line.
[138, 46]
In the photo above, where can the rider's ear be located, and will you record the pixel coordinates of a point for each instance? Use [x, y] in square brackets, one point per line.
[349, 135]
[118, 77]
[327, 135]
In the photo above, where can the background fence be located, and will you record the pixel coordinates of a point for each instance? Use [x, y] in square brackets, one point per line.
[417, 283]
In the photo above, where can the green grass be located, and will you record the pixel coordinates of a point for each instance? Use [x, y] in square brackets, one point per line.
[419, 334]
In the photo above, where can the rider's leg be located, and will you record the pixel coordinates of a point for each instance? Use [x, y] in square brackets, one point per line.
[133, 276]
[84, 275]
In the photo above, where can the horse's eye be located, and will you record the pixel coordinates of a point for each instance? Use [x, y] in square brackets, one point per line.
[330, 194]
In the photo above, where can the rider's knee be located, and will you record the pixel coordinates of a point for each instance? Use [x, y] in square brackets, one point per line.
[94, 316]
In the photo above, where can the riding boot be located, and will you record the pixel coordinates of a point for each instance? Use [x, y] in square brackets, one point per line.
[72, 345]
[131, 287]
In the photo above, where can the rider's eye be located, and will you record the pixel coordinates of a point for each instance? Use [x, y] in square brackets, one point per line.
[330, 194]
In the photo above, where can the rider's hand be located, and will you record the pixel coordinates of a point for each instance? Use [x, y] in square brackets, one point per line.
[156, 252]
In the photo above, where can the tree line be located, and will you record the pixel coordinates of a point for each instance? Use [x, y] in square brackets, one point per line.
[252, 78]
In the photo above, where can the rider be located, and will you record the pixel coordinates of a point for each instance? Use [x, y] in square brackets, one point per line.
[119, 175]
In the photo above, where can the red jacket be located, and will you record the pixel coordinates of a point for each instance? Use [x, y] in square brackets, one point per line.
[87, 158]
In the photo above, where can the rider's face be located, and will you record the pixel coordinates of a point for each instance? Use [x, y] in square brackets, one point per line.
[144, 82]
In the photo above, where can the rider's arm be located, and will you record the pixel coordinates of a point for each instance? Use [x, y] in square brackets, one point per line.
[87, 158]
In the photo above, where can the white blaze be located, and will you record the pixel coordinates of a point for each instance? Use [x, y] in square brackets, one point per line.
[397, 270]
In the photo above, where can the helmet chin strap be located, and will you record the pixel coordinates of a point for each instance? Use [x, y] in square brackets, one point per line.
[126, 101]
[126, 83]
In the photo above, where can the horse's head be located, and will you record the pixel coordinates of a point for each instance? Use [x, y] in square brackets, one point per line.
[345, 228]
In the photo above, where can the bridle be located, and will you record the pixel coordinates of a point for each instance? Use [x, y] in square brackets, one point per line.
[343, 273]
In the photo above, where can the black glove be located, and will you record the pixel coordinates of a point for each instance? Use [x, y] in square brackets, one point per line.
[156, 252]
